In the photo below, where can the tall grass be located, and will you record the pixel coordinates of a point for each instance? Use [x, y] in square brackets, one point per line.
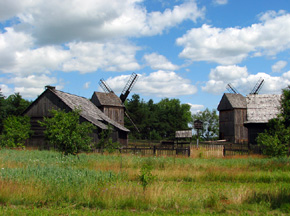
[112, 183]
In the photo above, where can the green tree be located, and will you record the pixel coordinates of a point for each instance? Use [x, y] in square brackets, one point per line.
[210, 121]
[66, 133]
[16, 130]
[157, 121]
[13, 105]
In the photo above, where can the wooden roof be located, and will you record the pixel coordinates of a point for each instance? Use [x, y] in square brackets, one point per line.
[262, 108]
[231, 101]
[106, 99]
[88, 110]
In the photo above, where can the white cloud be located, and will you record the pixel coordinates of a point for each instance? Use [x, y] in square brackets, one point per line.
[32, 85]
[228, 73]
[233, 45]
[87, 85]
[160, 84]
[5, 90]
[159, 62]
[111, 56]
[278, 66]
[220, 2]
[94, 20]
[245, 82]
[195, 108]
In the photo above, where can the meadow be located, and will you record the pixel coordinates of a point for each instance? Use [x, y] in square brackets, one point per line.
[46, 183]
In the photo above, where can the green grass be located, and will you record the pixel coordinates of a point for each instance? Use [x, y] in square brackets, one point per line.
[45, 183]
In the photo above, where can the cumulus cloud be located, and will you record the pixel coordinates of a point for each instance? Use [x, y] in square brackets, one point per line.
[278, 66]
[111, 56]
[232, 45]
[32, 85]
[244, 82]
[79, 20]
[159, 62]
[159, 84]
[195, 108]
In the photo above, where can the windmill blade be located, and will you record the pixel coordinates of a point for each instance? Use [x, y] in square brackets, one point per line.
[126, 113]
[232, 89]
[105, 86]
[258, 86]
[128, 87]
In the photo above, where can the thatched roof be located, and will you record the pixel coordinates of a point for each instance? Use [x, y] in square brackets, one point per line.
[231, 101]
[106, 99]
[262, 108]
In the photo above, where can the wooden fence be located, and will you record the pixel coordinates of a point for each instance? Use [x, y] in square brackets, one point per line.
[156, 151]
[205, 149]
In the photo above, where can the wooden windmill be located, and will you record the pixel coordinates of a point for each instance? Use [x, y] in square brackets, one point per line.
[124, 94]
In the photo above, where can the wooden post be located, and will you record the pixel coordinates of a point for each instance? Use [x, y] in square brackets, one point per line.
[154, 150]
[224, 151]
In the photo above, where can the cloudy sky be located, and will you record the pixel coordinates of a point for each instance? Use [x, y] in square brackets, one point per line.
[181, 49]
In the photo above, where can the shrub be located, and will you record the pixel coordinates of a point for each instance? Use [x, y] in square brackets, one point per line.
[16, 130]
[66, 132]
[271, 145]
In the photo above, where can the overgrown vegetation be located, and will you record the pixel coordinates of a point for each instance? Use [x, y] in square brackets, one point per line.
[16, 130]
[66, 133]
[42, 181]
[12, 105]
[275, 141]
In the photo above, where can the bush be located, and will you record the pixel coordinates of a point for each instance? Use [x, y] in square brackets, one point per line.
[16, 130]
[271, 145]
[66, 133]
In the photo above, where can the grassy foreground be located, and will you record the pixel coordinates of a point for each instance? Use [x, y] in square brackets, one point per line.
[44, 183]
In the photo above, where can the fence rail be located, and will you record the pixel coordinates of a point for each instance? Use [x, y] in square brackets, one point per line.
[204, 149]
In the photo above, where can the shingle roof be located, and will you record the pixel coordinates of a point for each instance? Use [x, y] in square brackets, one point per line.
[262, 108]
[88, 110]
[108, 99]
[232, 101]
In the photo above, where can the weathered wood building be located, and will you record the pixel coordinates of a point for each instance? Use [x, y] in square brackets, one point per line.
[232, 115]
[241, 118]
[260, 109]
[111, 105]
[55, 99]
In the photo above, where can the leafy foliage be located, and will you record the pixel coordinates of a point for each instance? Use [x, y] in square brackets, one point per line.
[210, 121]
[16, 130]
[13, 105]
[157, 121]
[275, 140]
[146, 177]
[65, 132]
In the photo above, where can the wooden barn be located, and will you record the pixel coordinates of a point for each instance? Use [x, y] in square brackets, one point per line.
[241, 118]
[55, 99]
[110, 104]
[232, 115]
[260, 109]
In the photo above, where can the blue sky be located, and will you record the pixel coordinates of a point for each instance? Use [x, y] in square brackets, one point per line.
[188, 50]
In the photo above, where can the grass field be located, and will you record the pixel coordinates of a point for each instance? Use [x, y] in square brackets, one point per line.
[45, 183]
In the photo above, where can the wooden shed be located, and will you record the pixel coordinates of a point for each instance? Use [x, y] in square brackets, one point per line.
[55, 99]
[232, 115]
[260, 109]
[110, 104]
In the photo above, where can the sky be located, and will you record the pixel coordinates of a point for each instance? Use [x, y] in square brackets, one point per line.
[184, 49]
